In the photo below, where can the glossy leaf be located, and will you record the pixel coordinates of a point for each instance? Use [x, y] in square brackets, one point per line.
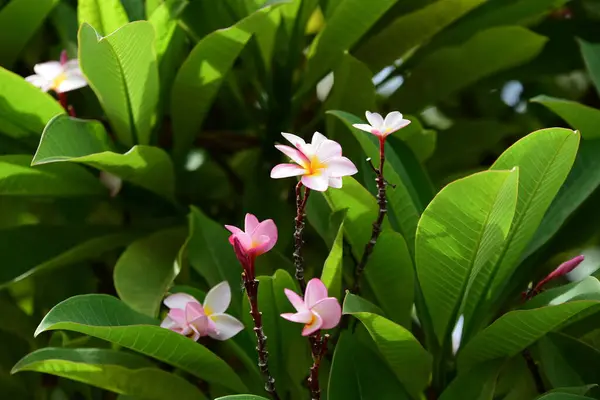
[477, 384]
[86, 142]
[109, 319]
[112, 370]
[106, 16]
[24, 109]
[332, 270]
[450, 69]
[412, 30]
[121, 68]
[517, 330]
[20, 21]
[579, 116]
[153, 258]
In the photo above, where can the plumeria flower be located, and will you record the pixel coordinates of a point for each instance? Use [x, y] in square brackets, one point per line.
[383, 127]
[190, 318]
[320, 163]
[58, 76]
[257, 237]
[316, 311]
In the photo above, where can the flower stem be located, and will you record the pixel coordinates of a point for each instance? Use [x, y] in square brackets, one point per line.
[318, 345]
[298, 241]
[251, 286]
[382, 202]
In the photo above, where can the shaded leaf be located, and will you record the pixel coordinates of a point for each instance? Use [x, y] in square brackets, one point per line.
[332, 270]
[581, 117]
[106, 16]
[477, 383]
[591, 57]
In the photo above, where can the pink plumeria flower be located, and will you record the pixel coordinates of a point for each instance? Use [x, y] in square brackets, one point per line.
[320, 163]
[316, 311]
[59, 76]
[383, 127]
[190, 318]
[257, 237]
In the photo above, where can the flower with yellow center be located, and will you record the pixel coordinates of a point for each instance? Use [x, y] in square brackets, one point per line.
[57, 76]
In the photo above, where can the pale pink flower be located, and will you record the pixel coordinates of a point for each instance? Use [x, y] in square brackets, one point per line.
[257, 237]
[190, 318]
[59, 76]
[320, 163]
[383, 127]
[316, 311]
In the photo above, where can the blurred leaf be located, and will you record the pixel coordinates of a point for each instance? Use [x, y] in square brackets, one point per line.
[86, 142]
[453, 68]
[21, 324]
[350, 21]
[121, 69]
[332, 270]
[403, 353]
[14, 388]
[343, 384]
[109, 319]
[411, 30]
[354, 302]
[19, 178]
[477, 383]
[106, 16]
[578, 390]
[563, 396]
[112, 370]
[242, 397]
[197, 293]
[28, 249]
[419, 140]
[135, 9]
[201, 75]
[581, 117]
[64, 20]
[585, 289]
[24, 109]
[152, 258]
[591, 57]
[517, 330]
[459, 242]
[20, 21]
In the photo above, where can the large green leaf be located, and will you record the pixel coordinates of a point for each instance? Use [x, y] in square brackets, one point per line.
[19, 21]
[86, 142]
[121, 68]
[350, 21]
[451, 69]
[31, 248]
[585, 289]
[411, 30]
[19, 178]
[517, 330]
[201, 75]
[459, 239]
[332, 270]
[24, 109]
[106, 16]
[563, 396]
[112, 370]
[404, 354]
[477, 384]
[242, 397]
[152, 258]
[591, 56]
[107, 318]
[581, 117]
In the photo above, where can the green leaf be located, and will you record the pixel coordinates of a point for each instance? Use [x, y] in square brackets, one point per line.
[578, 390]
[403, 353]
[332, 270]
[20, 21]
[591, 57]
[28, 249]
[354, 302]
[121, 68]
[586, 289]
[201, 75]
[242, 397]
[19, 178]
[517, 330]
[153, 258]
[411, 30]
[450, 69]
[563, 396]
[109, 319]
[579, 116]
[106, 16]
[24, 109]
[477, 383]
[112, 370]
[351, 20]
[458, 243]
[86, 142]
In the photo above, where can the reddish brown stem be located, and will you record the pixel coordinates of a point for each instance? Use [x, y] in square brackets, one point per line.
[382, 202]
[298, 241]
[318, 345]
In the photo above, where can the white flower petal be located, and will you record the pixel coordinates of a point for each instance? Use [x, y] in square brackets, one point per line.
[317, 139]
[293, 139]
[328, 149]
[341, 166]
[72, 82]
[457, 334]
[49, 70]
[375, 119]
[392, 119]
[39, 82]
[320, 183]
[226, 326]
[364, 127]
[112, 182]
[335, 183]
[218, 298]
[179, 300]
[286, 170]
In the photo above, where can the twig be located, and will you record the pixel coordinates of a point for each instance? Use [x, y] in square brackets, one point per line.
[298, 241]
[318, 345]
[535, 372]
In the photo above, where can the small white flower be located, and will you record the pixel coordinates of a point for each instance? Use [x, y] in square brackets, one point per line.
[112, 182]
[383, 127]
[57, 76]
[457, 334]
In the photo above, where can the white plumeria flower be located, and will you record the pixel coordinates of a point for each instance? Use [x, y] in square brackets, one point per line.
[457, 334]
[112, 182]
[57, 76]
[383, 127]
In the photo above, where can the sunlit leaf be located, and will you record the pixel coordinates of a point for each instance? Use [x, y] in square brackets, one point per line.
[106, 16]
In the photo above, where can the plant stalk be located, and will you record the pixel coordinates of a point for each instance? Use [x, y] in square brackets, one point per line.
[298, 241]
[318, 345]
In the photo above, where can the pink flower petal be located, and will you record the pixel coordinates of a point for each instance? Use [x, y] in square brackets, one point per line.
[200, 325]
[335, 183]
[179, 300]
[293, 139]
[296, 155]
[302, 317]
[315, 291]
[328, 149]
[296, 300]
[168, 323]
[233, 229]
[193, 311]
[341, 166]
[177, 315]
[311, 328]
[364, 127]
[320, 183]
[218, 298]
[244, 239]
[330, 311]
[318, 139]
[250, 223]
[375, 119]
[286, 170]
[268, 229]
[225, 327]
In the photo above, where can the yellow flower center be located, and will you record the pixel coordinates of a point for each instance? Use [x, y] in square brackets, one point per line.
[58, 80]
[315, 167]
[208, 311]
[312, 320]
